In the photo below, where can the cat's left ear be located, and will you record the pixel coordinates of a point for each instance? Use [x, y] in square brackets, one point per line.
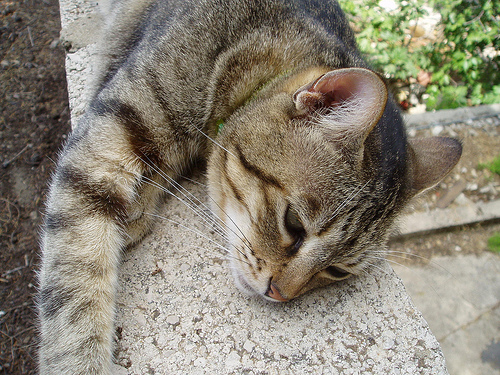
[348, 103]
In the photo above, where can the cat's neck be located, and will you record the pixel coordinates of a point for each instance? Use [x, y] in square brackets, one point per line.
[253, 86]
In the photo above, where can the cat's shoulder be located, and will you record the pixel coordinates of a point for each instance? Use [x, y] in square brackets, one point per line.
[121, 19]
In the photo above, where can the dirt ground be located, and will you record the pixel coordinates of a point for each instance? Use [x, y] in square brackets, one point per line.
[34, 121]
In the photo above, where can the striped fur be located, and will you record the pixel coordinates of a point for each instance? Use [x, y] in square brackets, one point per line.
[307, 175]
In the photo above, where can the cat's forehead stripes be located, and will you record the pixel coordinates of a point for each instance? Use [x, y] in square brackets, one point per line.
[313, 205]
[256, 171]
[237, 192]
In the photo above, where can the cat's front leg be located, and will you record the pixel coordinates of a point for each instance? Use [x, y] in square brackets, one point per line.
[97, 205]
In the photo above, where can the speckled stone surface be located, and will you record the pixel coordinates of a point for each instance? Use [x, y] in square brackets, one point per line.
[179, 312]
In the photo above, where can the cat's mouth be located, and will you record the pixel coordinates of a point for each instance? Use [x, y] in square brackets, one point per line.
[272, 293]
[242, 283]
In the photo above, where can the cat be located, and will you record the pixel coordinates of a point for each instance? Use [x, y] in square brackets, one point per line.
[308, 163]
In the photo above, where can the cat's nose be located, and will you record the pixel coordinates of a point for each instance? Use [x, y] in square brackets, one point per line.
[274, 293]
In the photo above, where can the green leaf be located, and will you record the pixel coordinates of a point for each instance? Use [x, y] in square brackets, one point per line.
[493, 166]
[494, 243]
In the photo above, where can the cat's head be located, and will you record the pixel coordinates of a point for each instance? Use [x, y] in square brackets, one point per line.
[308, 185]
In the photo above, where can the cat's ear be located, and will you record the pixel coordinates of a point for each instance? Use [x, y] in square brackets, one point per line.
[430, 160]
[346, 102]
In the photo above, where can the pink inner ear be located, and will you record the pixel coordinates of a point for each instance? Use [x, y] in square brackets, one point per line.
[336, 96]
[323, 96]
[336, 88]
[357, 97]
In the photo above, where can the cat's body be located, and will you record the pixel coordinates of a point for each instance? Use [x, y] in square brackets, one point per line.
[308, 171]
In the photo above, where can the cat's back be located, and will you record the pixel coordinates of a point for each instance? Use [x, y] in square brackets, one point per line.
[207, 27]
[130, 14]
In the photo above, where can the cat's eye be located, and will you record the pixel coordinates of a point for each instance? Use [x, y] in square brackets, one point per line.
[292, 222]
[337, 272]
[295, 228]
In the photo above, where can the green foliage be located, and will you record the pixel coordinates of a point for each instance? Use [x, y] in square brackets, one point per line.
[493, 166]
[494, 243]
[464, 60]
[381, 36]
[471, 46]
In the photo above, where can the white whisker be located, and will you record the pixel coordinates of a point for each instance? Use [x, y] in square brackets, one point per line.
[407, 268]
[365, 272]
[197, 232]
[243, 237]
[193, 203]
[215, 142]
[185, 193]
[403, 255]
[377, 267]
[228, 255]
[386, 260]
[211, 219]
[207, 218]
[194, 181]
[348, 200]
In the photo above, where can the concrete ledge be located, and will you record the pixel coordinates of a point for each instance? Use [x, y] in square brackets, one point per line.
[425, 222]
[448, 116]
[179, 312]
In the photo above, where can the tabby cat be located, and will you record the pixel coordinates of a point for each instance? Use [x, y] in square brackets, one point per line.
[308, 161]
